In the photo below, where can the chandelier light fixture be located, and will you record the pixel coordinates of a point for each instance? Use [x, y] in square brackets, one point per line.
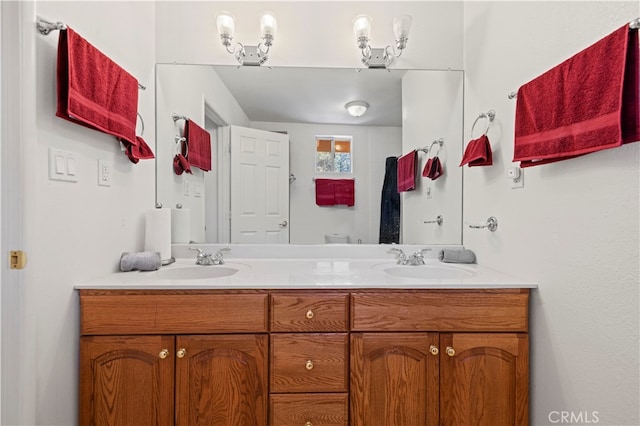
[357, 108]
[379, 57]
[247, 55]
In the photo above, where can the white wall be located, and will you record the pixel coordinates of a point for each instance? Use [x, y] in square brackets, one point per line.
[371, 146]
[75, 231]
[573, 228]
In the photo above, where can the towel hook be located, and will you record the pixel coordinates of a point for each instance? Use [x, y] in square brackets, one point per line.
[439, 142]
[489, 115]
[141, 124]
[177, 117]
[182, 145]
[491, 225]
[439, 220]
[45, 27]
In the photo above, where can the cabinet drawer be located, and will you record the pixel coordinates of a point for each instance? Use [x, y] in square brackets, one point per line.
[165, 312]
[309, 362]
[309, 312]
[313, 409]
[441, 310]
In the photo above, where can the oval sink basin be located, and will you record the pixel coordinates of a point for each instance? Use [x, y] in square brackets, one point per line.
[194, 272]
[429, 272]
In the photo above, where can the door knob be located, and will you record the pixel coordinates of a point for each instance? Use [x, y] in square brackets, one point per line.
[181, 353]
[450, 351]
[163, 353]
[283, 224]
[434, 350]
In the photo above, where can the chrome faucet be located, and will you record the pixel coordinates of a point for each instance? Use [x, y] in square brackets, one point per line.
[217, 258]
[202, 258]
[402, 258]
[415, 259]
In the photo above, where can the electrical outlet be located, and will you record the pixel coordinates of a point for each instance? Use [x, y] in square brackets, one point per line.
[515, 176]
[104, 173]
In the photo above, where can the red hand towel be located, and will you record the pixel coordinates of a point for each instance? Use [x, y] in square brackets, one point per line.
[199, 141]
[97, 93]
[325, 192]
[478, 153]
[407, 171]
[587, 103]
[433, 169]
[344, 191]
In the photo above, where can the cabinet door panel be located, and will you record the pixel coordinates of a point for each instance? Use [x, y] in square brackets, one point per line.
[124, 380]
[221, 380]
[485, 382]
[394, 379]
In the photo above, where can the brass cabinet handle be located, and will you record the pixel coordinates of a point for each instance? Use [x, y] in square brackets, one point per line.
[163, 353]
[308, 424]
[450, 351]
[434, 350]
[309, 314]
[181, 353]
[309, 365]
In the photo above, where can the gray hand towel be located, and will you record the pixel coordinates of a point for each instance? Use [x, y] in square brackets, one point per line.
[457, 256]
[142, 261]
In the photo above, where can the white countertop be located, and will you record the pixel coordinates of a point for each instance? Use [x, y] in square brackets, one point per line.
[325, 273]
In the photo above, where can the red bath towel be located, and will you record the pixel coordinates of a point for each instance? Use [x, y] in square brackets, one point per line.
[586, 104]
[199, 142]
[325, 192]
[407, 171]
[478, 153]
[97, 93]
[345, 191]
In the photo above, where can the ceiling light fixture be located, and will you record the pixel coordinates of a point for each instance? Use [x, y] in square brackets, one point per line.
[247, 55]
[357, 108]
[381, 58]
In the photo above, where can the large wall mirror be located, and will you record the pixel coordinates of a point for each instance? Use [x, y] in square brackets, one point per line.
[287, 109]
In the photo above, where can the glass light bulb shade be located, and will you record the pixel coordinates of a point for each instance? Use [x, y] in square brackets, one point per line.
[225, 24]
[268, 24]
[357, 108]
[362, 26]
[401, 26]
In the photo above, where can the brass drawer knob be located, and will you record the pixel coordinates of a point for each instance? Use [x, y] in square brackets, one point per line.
[450, 351]
[163, 353]
[308, 424]
[309, 315]
[309, 365]
[434, 350]
[181, 353]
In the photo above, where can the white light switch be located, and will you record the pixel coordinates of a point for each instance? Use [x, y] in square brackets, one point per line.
[63, 165]
[71, 166]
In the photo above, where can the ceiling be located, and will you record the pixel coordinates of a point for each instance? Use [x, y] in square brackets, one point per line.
[315, 95]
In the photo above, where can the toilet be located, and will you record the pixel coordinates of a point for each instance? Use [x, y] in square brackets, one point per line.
[336, 239]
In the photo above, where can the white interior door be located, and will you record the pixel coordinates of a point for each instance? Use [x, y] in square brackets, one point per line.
[259, 186]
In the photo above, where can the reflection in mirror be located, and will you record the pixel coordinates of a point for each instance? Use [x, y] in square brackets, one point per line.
[408, 109]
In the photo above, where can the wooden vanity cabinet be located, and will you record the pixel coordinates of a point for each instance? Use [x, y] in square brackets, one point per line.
[309, 359]
[173, 358]
[440, 357]
[304, 357]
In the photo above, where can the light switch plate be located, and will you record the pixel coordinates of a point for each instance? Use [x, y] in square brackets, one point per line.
[63, 165]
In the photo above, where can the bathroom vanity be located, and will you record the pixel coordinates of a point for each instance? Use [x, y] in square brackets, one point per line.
[337, 352]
